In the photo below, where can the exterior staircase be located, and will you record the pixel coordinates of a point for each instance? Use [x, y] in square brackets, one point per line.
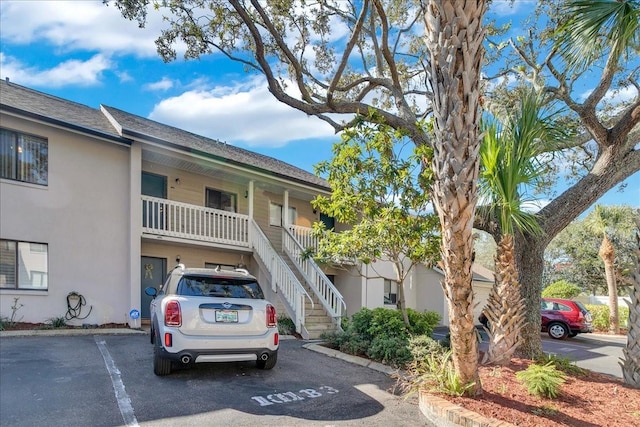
[298, 297]
[316, 318]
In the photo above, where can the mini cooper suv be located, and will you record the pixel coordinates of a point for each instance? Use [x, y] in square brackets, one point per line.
[211, 315]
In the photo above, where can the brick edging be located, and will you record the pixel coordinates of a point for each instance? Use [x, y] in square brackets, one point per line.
[443, 413]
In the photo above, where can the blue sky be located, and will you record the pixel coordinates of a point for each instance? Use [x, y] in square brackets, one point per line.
[86, 52]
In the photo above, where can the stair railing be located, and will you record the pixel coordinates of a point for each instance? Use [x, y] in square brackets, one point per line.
[326, 292]
[283, 280]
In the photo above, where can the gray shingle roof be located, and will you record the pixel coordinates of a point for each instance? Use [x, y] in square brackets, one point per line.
[81, 117]
[139, 127]
[53, 109]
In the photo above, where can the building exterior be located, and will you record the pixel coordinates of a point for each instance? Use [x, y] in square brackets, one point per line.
[97, 204]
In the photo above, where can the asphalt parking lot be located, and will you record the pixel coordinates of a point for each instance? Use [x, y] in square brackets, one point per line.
[107, 380]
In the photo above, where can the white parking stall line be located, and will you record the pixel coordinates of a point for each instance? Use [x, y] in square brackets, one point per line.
[124, 403]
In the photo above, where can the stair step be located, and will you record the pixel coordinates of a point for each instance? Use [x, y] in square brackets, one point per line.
[317, 319]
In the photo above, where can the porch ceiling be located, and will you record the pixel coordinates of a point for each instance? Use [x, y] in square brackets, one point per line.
[209, 169]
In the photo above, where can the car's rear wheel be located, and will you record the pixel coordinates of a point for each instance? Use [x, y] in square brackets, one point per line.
[269, 363]
[161, 365]
[558, 331]
[572, 334]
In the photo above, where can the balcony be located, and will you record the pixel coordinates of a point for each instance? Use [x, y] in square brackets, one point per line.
[161, 217]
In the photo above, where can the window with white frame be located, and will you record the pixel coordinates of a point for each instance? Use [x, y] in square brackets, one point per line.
[218, 199]
[23, 157]
[275, 214]
[23, 265]
[390, 291]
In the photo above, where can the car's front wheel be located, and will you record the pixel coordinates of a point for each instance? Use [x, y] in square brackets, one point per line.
[572, 334]
[558, 331]
[269, 363]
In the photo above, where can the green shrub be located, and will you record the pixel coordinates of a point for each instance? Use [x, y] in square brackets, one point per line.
[562, 363]
[542, 380]
[600, 314]
[381, 334]
[561, 289]
[392, 351]
[434, 371]
[421, 346]
[422, 323]
[286, 326]
[57, 322]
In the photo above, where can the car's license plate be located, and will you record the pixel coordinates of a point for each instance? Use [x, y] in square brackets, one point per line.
[227, 316]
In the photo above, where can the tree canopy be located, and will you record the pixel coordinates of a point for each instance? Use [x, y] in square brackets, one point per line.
[573, 255]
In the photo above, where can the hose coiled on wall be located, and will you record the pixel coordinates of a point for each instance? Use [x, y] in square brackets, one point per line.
[74, 311]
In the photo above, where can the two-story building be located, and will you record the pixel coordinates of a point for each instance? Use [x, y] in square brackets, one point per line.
[97, 204]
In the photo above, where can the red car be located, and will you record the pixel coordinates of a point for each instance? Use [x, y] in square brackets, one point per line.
[563, 318]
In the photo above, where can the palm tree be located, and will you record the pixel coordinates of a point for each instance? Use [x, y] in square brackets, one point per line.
[453, 35]
[631, 362]
[508, 165]
[606, 222]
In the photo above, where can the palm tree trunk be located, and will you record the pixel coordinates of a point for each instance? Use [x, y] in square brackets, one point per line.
[505, 307]
[529, 251]
[630, 363]
[454, 36]
[608, 254]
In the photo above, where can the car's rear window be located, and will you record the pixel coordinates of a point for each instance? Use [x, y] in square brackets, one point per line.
[581, 306]
[203, 286]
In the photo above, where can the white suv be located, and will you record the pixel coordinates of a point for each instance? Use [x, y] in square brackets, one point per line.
[211, 315]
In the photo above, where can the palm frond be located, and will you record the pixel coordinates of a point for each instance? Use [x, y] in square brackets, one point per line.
[594, 26]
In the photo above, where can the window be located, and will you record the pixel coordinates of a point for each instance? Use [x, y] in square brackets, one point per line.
[329, 221]
[390, 291]
[275, 215]
[23, 265]
[23, 157]
[222, 200]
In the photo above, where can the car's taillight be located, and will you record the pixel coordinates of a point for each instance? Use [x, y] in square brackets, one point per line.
[272, 320]
[172, 314]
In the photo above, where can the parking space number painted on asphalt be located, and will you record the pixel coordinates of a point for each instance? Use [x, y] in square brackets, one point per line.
[292, 397]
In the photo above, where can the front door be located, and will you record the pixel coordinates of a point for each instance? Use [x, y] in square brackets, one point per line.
[155, 186]
[153, 273]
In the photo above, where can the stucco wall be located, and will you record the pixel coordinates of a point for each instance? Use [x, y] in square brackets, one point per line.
[83, 216]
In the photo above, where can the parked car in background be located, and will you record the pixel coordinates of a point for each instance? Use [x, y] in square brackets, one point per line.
[560, 318]
[211, 315]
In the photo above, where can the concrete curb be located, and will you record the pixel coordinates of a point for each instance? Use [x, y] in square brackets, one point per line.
[438, 411]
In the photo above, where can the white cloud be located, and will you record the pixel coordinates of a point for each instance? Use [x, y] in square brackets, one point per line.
[77, 25]
[162, 85]
[245, 112]
[71, 72]
[504, 8]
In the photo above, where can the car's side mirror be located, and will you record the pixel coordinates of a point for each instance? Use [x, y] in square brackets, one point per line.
[152, 292]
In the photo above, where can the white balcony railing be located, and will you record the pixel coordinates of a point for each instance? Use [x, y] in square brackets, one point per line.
[175, 219]
[304, 236]
[282, 277]
[326, 292]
